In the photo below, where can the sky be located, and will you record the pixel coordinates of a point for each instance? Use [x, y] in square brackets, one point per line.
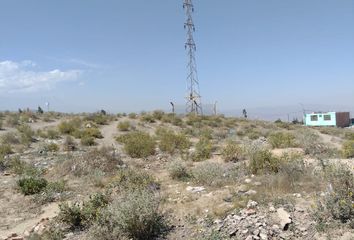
[124, 56]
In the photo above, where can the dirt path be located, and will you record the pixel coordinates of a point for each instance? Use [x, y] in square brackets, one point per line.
[48, 211]
[109, 132]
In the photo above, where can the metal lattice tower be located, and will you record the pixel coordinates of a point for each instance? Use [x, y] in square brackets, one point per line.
[193, 99]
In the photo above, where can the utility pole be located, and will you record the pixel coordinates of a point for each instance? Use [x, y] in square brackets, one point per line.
[193, 104]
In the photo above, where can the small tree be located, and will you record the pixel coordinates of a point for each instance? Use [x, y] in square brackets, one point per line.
[40, 110]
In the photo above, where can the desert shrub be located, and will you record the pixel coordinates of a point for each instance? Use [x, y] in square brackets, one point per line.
[349, 135]
[69, 127]
[148, 118]
[10, 138]
[103, 159]
[282, 140]
[5, 149]
[135, 215]
[132, 115]
[338, 204]
[193, 119]
[173, 119]
[171, 142]
[26, 134]
[292, 168]
[51, 147]
[348, 149]
[129, 179]
[32, 185]
[80, 216]
[52, 134]
[124, 126]
[98, 118]
[87, 141]
[1, 124]
[178, 170]
[20, 167]
[203, 150]
[263, 161]
[210, 174]
[13, 120]
[92, 132]
[52, 192]
[158, 114]
[138, 144]
[69, 144]
[233, 152]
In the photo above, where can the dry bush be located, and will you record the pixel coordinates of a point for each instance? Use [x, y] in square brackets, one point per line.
[132, 115]
[130, 180]
[135, 215]
[10, 138]
[69, 144]
[178, 170]
[87, 141]
[233, 152]
[12, 120]
[26, 134]
[173, 119]
[5, 149]
[51, 147]
[282, 140]
[103, 159]
[158, 114]
[138, 144]
[338, 204]
[147, 118]
[348, 149]
[99, 118]
[210, 174]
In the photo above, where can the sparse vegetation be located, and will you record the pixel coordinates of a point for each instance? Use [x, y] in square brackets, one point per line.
[348, 149]
[124, 126]
[282, 140]
[203, 150]
[171, 142]
[210, 174]
[178, 170]
[233, 152]
[32, 185]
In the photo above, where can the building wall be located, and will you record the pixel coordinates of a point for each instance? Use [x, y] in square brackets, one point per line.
[321, 119]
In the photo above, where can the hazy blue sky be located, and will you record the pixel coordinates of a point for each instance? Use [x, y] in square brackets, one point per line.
[84, 55]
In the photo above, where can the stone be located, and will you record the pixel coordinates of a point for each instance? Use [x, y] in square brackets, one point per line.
[248, 181]
[242, 189]
[284, 218]
[251, 193]
[252, 204]
[195, 189]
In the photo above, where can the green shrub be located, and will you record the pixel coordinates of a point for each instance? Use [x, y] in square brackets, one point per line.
[124, 126]
[348, 149]
[138, 144]
[5, 149]
[173, 119]
[170, 142]
[233, 152]
[178, 170]
[129, 179]
[210, 174]
[69, 127]
[263, 161]
[133, 216]
[282, 140]
[32, 185]
[51, 147]
[87, 141]
[203, 150]
[19, 167]
[52, 192]
[80, 216]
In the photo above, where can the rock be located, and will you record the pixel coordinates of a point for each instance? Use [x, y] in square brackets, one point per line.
[242, 189]
[233, 232]
[284, 219]
[251, 193]
[249, 237]
[257, 184]
[248, 181]
[252, 204]
[195, 189]
[271, 209]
